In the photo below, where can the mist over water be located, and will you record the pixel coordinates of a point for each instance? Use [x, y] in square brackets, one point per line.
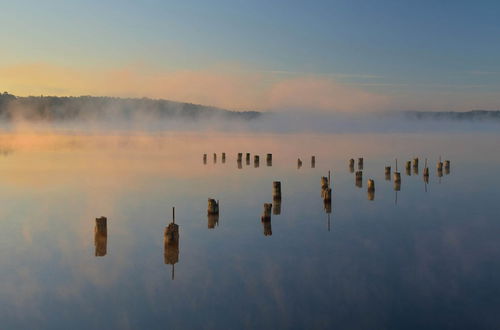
[424, 252]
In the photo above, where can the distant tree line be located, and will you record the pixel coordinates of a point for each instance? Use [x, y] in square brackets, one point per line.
[479, 115]
[52, 108]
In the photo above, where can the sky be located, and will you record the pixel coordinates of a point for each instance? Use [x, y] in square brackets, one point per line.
[346, 56]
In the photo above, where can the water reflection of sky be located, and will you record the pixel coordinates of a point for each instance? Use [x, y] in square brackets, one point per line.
[431, 260]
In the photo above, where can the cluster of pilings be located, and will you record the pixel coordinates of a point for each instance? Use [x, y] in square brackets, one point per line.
[223, 158]
[256, 160]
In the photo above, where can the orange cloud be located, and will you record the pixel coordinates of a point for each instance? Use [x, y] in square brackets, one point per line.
[226, 88]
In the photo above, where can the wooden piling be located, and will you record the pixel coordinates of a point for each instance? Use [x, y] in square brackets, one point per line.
[213, 206]
[223, 157]
[215, 158]
[204, 158]
[371, 184]
[240, 156]
[313, 161]
[256, 161]
[101, 236]
[359, 179]
[299, 163]
[351, 165]
[276, 189]
[266, 215]
[397, 185]
[397, 177]
[360, 163]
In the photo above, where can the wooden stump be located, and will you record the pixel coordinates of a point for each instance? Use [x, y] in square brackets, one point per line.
[101, 236]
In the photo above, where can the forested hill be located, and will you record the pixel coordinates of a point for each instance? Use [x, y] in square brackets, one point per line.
[52, 108]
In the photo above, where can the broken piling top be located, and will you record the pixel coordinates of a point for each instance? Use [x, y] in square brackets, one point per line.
[256, 161]
[240, 156]
[266, 215]
[359, 175]
[204, 158]
[324, 183]
[267, 209]
[101, 225]
[247, 156]
[215, 158]
[313, 161]
[446, 164]
[213, 206]
[387, 170]
[223, 157]
[277, 189]
[371, 185]
[269, 157]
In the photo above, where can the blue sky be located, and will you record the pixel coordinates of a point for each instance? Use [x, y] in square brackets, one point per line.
[443, 51]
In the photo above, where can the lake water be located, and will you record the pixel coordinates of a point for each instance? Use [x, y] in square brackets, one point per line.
[427, 256]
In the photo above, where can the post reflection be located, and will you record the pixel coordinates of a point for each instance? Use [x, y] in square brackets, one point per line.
[266, 219]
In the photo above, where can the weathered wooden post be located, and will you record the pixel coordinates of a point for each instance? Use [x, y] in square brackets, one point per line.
[371, 189]
[213, 206]
[446, 167]
[269, 159]
[266, 219]
[415, 166]
[397, 175]
[426, 172]
[240, 156]
[171, 244]
[215, 158]
[240, 166]
[324, 185]
[408, 168]
[212, 213]
[277, 189]
[277, 197]
[360, 163]
[387, 173]
[351, 165]
[205, 159]
[359, 179]
[247, 158]
[223, 157]
[313, 161]
[256, 161]
[299, 163]
[327, 194]
[101, 236]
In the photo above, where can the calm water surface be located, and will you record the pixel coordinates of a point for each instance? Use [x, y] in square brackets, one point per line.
[427, 256]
